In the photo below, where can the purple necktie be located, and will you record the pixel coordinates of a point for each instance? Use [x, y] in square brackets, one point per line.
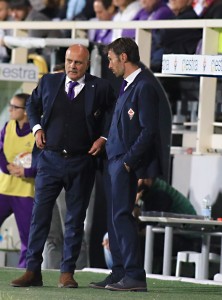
[124, 84]
[71, 93]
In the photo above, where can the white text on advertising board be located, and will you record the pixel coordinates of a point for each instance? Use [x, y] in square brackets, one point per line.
[13, 72]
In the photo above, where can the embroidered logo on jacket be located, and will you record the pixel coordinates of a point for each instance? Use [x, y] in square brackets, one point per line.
[131, 113]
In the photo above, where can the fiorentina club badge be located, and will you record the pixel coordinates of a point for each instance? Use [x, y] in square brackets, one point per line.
[131, 113]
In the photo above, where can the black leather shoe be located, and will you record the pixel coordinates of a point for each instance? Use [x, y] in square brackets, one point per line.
[110, 279]
[128, 284]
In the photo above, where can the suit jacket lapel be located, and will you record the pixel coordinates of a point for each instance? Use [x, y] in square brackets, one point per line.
[89, 94]
[57, 83]
[126, 94]
[124, 97]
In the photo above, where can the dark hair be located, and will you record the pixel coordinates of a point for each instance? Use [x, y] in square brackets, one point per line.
[19, 4]
[125, 45]
[23, 97]
[105, 3]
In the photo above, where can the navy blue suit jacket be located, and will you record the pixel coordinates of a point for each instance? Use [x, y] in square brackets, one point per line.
[138, 127]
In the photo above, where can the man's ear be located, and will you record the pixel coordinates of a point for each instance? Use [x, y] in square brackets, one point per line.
[124, 57]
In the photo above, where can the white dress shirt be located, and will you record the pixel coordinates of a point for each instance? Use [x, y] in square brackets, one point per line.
[131, 77]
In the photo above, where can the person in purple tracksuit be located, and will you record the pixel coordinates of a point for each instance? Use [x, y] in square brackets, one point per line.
[17, 175]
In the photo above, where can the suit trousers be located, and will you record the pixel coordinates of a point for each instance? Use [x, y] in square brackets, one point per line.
[53, 249]
[76, 175]
[122, 226]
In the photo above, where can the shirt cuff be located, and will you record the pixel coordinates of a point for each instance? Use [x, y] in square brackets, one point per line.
[103, 137]
[36, 128]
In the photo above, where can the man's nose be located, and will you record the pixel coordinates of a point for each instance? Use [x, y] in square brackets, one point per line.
[73, 64]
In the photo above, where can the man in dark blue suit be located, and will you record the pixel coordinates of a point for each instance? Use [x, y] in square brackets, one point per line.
[70, 115]
[132, 150]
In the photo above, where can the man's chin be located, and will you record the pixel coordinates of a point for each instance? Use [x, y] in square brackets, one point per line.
[73, 78]
[73, 75]
[117, 75]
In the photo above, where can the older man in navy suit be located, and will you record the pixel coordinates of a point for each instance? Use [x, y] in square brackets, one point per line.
[70, 114]
[132, 150]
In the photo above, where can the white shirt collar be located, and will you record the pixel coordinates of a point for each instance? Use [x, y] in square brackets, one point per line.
[80, 80]
[78, 88]
[132, 76]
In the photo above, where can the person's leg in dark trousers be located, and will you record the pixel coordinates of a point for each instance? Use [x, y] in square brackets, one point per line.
[77, 176]
[78, 186]
[127, 271]
[117, 268]
[54, 244]
[48, 185]
[124, 188]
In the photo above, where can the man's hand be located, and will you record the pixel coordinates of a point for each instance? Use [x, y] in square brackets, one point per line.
[15, 170]
[40, 139]
[98, 146]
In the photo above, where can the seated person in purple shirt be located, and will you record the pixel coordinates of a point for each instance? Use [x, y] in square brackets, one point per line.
[16, 173]
[181, 41]
[156, 10]
[177, 41]
[144, 10]
[127, 11]
[104, 10]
